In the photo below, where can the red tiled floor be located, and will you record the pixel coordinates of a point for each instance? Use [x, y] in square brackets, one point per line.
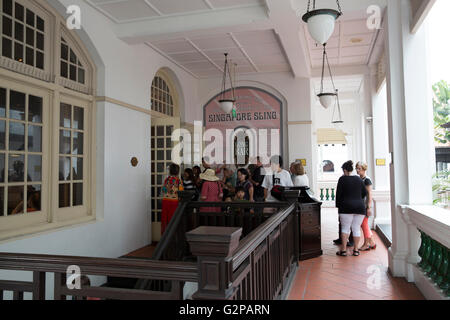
[331, 277]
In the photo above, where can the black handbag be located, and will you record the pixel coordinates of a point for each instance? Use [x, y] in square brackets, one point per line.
[277, 191]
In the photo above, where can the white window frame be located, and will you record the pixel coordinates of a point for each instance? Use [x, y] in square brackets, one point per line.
[54, 89]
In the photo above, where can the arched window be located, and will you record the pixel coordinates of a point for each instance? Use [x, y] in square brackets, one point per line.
[164, 95]
[46, 141]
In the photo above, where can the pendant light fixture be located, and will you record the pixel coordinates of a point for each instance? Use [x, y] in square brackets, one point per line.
[321, 22]
[326, 98]
[337, 122]
[227, 100]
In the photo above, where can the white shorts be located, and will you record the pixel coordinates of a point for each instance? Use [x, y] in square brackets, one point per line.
[351, 222]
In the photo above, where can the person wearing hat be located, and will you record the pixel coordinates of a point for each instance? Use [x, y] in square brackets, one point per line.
[211, 190]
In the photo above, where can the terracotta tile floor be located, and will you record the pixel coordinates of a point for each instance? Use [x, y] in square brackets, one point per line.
[331, 277]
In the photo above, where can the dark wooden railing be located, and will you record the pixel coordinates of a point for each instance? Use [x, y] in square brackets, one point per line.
[259, 267]
[190, 214]
[177, 273]
[231, 263]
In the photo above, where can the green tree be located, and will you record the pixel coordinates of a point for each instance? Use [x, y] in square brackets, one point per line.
[441, 109]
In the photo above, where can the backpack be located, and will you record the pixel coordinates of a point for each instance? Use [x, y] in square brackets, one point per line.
[277, 191]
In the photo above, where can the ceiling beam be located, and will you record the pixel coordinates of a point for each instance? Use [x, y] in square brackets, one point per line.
[238, 44]
[339, 71]
[170, 27]
[288, 26]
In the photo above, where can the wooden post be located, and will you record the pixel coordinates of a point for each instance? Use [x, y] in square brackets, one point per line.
[214, 247]
[293, 196]
[38, 285]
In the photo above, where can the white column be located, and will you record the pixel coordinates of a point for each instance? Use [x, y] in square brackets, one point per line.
[410, 126]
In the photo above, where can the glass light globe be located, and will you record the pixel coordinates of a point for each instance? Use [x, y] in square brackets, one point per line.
[321, 24]
[227, 105]
[327, 99]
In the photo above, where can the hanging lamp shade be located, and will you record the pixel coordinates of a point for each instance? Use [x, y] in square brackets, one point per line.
[227, 97]
[337, 120]
[227, 105]
[326, 99]
[321, 22]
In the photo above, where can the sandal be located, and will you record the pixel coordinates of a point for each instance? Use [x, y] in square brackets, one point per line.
[341, 253]
[356, 253]
[365, 249]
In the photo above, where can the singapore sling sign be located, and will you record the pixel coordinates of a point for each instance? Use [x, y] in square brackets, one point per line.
[255, 129]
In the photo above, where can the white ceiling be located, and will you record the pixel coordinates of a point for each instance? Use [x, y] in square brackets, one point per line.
[250, 51]
[259, 35]
[350, 44]
[125, 11]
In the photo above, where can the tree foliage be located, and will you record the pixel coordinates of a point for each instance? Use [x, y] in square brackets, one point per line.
[441, 109]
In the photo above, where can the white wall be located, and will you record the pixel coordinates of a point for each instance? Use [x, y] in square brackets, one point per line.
[122, 192]
[381, 139]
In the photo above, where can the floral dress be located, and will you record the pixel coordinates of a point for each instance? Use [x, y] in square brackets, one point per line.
[170, 200]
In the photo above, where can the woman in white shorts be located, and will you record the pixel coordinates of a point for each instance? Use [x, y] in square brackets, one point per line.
[350, 195]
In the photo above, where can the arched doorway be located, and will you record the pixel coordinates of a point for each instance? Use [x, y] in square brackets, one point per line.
[165, 120]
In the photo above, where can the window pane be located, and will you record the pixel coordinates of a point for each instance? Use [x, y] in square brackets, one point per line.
[2, 200]
[2, 135]
[7, 26]
[34, 198]
[39, 60]
[81, 76]
[160, 143]
[77, 168]
[64, 142]
[64, 52]
[7, 48]
[40, 24]
[65, 116]
[78, 118]
[35, 109]
[77, 194]
[2, 102]
[64, 169]
[64, 195]
[16, 168]
[7, 7]
[30, 37]
[18, 52]
[78, 143]
[15, 200]
[29, 56]
[34, 168]
[40, 41]
[34, 139]
[160, 131]
[73, 57]
[18, 31]
[30, 18]
[16, 136]
[17, 105]
[2, 171]
[73, 72]
[19, 11]
[64, 72]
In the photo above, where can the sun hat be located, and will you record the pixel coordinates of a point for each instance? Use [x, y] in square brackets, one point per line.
[209, 175]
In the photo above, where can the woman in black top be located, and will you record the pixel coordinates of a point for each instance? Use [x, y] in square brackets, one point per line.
[350, 195]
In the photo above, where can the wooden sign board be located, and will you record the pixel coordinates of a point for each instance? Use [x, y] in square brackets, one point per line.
[303, 162]
[381, 162]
